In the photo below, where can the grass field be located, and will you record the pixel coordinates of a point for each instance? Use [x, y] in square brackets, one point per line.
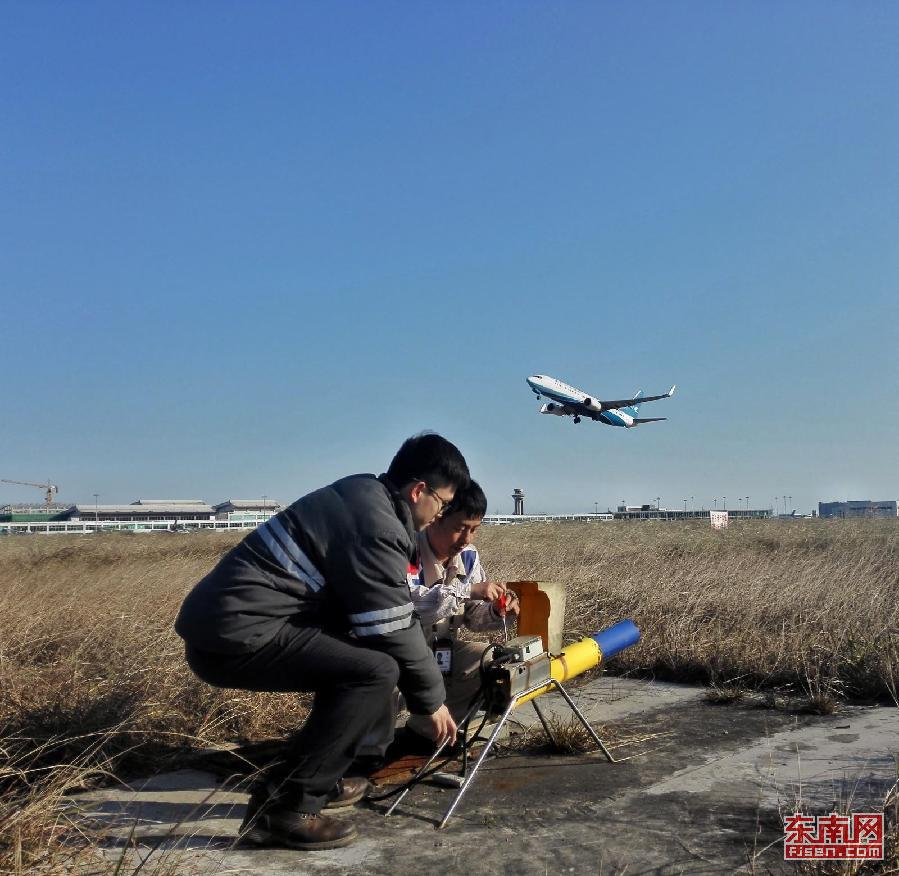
[92, 677]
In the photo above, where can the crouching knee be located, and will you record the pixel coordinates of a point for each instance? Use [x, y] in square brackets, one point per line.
[385, 672]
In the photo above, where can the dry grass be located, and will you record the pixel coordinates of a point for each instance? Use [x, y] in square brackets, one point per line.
[92, 678]
[814, 604]
[570, 737]
[890, 862]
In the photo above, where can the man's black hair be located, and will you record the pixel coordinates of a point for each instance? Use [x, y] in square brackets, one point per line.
[431, 458]
[470, 500]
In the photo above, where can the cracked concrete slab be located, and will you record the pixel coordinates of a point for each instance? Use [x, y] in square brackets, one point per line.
[708, 797]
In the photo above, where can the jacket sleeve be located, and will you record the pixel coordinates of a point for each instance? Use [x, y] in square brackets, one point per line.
[480, 614]
[374, 593]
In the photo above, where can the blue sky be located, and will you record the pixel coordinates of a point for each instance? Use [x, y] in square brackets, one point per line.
[248, 248]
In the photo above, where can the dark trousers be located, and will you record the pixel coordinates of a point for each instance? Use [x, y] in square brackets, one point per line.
[353, 688]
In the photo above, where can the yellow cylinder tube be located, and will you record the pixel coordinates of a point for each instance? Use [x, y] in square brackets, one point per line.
[572, 661]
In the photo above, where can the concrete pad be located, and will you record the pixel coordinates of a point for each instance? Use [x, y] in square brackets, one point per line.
[708, 798]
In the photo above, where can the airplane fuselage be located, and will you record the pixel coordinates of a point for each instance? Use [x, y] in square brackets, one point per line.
[574, 402]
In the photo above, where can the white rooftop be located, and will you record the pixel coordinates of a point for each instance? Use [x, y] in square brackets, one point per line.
[174, 508]
[249, 503]
[169, 502]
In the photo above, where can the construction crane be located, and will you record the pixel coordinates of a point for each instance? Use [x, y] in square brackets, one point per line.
[50, 490]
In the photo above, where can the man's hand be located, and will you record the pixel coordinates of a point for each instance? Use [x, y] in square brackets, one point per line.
[491, 590]
[494, 591]
[512, 604]
[443, 727]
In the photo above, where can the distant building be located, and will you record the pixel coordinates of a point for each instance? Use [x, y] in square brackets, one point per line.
[145, 509]
[144, 515]
[257, 510]
[651, 512]
[168, 502]
[34, 512]
[858, 509]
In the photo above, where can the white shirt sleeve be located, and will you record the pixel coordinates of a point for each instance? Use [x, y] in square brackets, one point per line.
[438, 601]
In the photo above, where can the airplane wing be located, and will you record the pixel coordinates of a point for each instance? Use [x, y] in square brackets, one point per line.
[639, 420]
[627, 402]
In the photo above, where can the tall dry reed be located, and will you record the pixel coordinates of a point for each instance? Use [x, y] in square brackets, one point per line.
[805, 603]
[93, 681]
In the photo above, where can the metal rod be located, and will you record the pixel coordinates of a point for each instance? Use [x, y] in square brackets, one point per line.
[464, 724]
[539, 712]
[583, 721]
[412, 780]
[477, 766]
[489, 745]
[552, 682]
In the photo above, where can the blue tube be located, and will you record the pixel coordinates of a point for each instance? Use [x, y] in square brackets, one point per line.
[616, 638]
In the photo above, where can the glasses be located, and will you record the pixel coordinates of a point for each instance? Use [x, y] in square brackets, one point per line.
[443, 502]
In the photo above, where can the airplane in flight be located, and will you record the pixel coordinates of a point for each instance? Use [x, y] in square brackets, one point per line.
[567, 401]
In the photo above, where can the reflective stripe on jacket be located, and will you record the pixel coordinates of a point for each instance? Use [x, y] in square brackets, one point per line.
[336, 560]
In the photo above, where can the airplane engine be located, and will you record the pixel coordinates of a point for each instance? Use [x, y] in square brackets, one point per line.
[551, 408]
[592, 405]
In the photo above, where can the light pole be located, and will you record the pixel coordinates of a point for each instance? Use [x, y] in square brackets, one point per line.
[791, 503]
[96, 507]
[596, 507]
[685, 506]
[724, 499]
[692, 500]
[716, 502]
[747, 506]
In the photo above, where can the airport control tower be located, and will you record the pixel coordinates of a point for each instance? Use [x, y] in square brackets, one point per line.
[518, 498]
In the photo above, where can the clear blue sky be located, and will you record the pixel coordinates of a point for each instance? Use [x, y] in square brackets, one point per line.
[247, 248]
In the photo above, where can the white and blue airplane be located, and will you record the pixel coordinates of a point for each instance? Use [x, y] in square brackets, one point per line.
[567, 401]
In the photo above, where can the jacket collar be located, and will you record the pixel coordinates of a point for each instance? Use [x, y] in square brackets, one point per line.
[400, 506]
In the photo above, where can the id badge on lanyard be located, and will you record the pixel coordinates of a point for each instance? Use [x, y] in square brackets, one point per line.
[442, 646]
[443, 653]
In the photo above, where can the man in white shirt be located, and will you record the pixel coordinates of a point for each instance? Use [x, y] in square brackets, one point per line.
[450, 590]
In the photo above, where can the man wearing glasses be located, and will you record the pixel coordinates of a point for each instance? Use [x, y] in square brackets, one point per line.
[450, 590]
[316, 599]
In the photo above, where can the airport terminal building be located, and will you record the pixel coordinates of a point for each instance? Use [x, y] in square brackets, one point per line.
[863, 508]
[142, 515]
[145, 510]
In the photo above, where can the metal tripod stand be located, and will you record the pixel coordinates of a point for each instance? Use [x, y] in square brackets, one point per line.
[469, 778]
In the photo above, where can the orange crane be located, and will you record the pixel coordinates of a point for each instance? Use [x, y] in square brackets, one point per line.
[50, 490]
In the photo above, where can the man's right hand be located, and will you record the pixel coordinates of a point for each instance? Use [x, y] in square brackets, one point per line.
[489, 590]
[443, 727]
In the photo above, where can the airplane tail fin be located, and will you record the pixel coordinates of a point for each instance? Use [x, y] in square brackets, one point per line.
[634, 409]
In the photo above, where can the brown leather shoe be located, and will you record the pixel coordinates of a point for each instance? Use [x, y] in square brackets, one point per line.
[255, 829]
[281, 826]
[347, 792]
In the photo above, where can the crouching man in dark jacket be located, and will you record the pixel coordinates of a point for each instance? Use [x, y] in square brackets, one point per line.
[316, 599]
